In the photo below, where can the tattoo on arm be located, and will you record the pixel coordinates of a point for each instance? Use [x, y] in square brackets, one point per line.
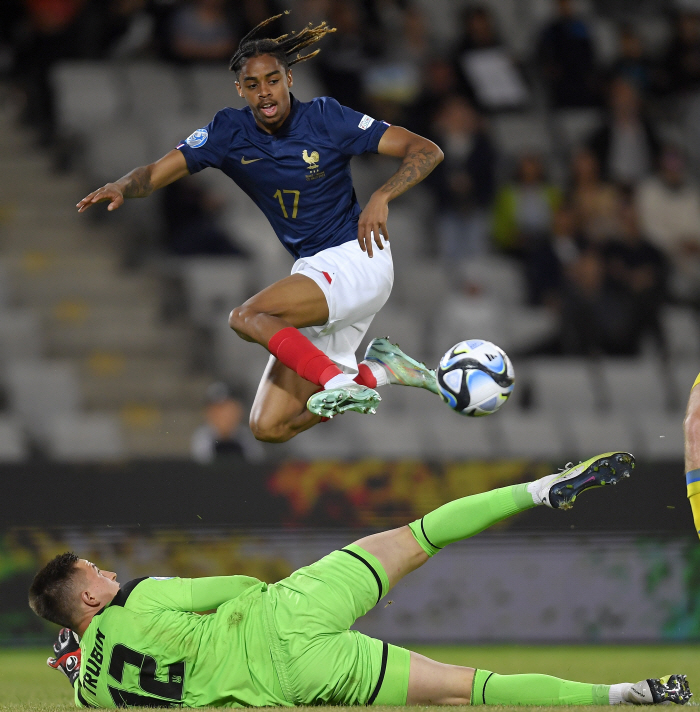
[417, 164]
[136, 184]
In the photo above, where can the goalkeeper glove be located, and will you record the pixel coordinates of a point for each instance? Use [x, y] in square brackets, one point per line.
[67, 655]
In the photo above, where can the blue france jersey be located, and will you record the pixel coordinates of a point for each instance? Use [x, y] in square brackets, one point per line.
[300, 176]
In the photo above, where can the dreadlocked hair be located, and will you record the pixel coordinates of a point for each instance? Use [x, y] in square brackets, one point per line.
[283, 47]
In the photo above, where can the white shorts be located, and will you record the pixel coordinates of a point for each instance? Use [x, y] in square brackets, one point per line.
[356, 288]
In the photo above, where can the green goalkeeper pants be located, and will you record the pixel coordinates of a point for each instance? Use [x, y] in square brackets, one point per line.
[318, 659]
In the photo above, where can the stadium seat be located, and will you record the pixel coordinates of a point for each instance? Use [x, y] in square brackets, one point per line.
[236, 361]
[128, 146]
[214, 88]
[306, 84]
[421, 286]
[562, 385]
[595, 433]
[401, 326]
[682, 331]
[165, 132]
[527, 327]
[155, 89]
[215, 285]
[13, 442]
[406, 231]
[660, 435]
[464, 317]
[531, 435]
[683, 373]
[73, 437]
[456, 437]
[516, 134]
[20, 334]
[401, 437]
[38, 390]
[575, 126]
[496, 277]
[86, 94]
[632, 385]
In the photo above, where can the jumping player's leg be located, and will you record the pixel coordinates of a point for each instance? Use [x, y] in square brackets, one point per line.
[272, 318]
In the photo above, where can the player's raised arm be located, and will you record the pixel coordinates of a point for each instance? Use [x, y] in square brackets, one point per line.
[419, 156]
[140, 182]
[691, 428]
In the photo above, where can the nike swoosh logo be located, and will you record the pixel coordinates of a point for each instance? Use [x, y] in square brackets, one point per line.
[252, 160]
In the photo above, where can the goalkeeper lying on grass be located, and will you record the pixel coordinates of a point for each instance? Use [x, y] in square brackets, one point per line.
[290, 643]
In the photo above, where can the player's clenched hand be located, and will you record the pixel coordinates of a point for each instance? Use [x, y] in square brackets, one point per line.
[373, 222]
[110, 192]
[67, 655]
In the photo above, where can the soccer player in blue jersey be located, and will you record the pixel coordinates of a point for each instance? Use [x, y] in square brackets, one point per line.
[293, 159]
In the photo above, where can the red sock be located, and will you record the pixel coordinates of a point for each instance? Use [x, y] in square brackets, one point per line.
[295, 351]
[365, 377]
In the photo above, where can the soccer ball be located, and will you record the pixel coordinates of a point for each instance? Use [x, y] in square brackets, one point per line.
[475, 377]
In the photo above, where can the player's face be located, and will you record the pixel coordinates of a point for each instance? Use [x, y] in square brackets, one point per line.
[102, 585]
[264, 84]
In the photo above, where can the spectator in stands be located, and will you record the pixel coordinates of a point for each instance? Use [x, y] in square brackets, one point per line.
[490, 73]
[669, 208]
[346, 53]
[632, 64]
[637, 272]
[612, 294]
[465, 185]
[201, 31]
[129, 28]
[523, 209]
[680, 70]
[440, 80]
[591, 320]
[55, 30]
[223, 434]
[549, 259]
[626, 146]
[567, 60]
[190, 222]
[595, 201]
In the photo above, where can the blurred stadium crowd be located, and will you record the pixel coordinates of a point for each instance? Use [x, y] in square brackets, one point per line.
[564, 223]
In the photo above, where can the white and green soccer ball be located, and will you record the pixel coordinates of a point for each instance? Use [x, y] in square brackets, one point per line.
[475, 377]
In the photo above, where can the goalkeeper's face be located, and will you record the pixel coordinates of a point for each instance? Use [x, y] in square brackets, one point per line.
[100, 585]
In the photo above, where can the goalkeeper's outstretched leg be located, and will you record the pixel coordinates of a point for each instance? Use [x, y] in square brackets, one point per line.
[403, 550]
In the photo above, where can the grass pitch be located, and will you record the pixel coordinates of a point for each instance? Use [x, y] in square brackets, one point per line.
[26, 684]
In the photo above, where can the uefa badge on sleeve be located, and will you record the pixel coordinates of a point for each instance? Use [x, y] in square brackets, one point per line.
[198, 138]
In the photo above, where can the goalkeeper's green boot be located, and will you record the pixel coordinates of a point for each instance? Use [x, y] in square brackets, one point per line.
[400, 368]
[660, 691]
[560, 491]
[335, 401]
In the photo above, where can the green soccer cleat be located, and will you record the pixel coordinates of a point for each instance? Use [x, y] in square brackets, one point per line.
[335, 401]
[560, 491]
[401, 369]
[660, 691]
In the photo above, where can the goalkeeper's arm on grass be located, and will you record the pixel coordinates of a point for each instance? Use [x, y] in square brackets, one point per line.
[691, 428]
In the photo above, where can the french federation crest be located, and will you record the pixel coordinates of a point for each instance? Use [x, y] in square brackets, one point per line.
[311, 159]
[198, 138]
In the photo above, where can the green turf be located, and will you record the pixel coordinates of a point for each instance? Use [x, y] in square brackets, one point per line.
[27, 684]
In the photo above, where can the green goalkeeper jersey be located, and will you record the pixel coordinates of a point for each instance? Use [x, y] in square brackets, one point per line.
[149, 647]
